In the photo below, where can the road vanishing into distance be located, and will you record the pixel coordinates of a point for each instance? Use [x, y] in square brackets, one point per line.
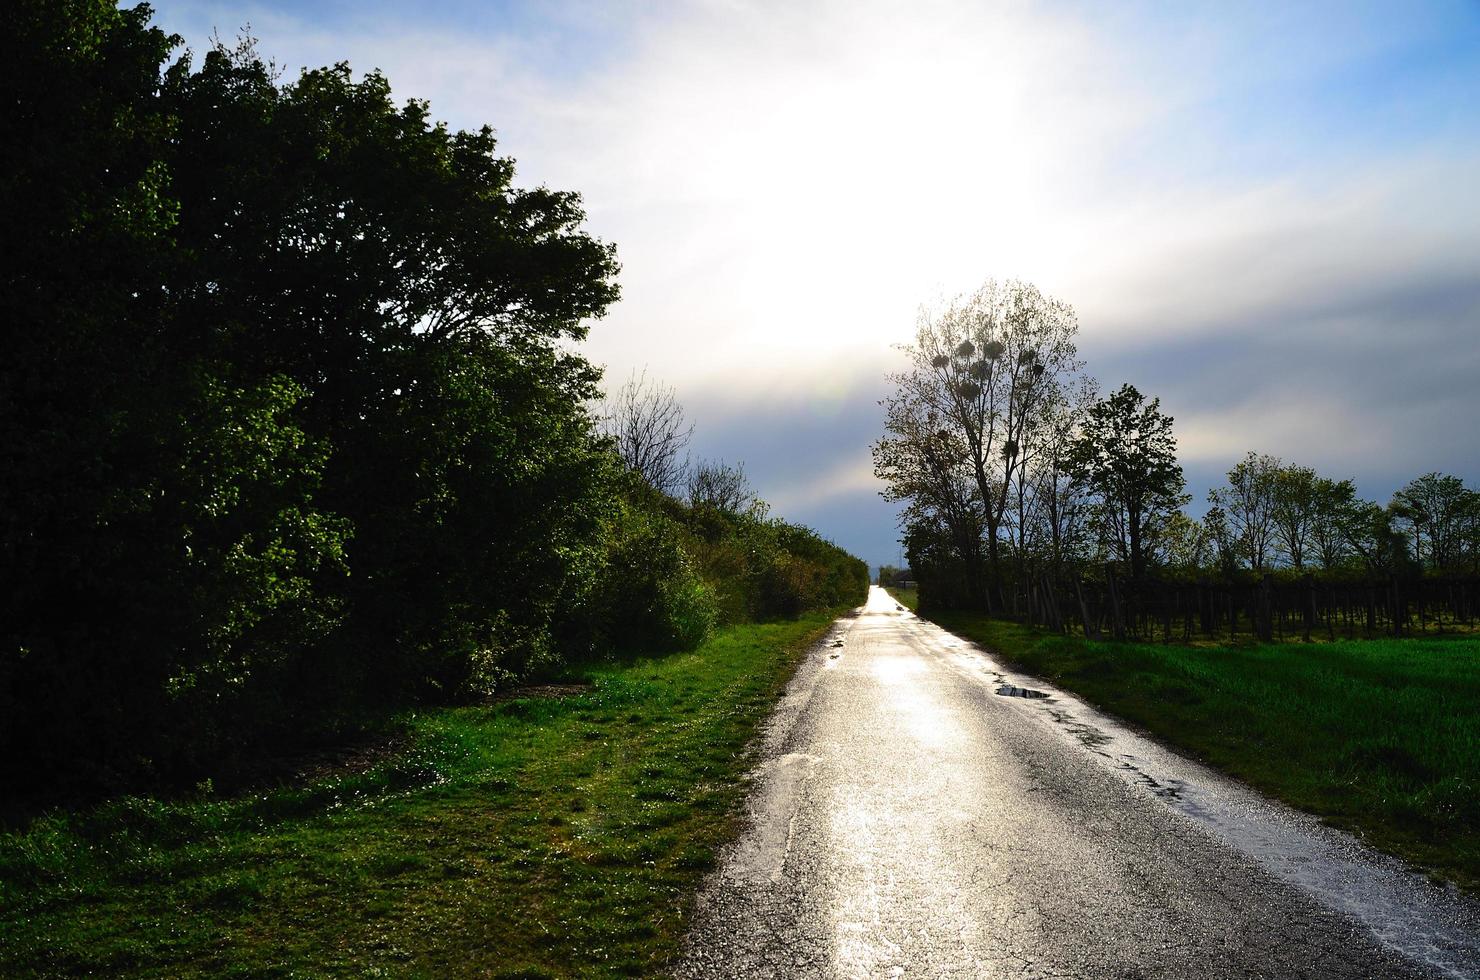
[921, 812]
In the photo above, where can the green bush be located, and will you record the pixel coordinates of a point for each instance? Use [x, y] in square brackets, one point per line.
[653, 597]
[296, 432]
[672, 572]
[762, 568]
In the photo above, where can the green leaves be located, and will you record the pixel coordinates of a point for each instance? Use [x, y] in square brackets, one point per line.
[293, 430]
[295, 435]
[1127, 455]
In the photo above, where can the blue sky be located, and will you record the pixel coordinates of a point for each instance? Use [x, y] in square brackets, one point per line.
[1266, 214]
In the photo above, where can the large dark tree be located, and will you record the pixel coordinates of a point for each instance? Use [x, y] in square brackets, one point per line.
[92, 416]
[391, 268]
[287, 404]
[1127, 455]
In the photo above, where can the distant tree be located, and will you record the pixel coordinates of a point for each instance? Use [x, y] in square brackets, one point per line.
[935, 556]
[1334, 501]
[1222, 539]
[926, 464]
[1371, 534]
[1249, 501]
[1127, 455]
[1295, 510]
[892, 576]
[713, 483]
[1469, 534]
[646, 424]
[1435, 509]
[1061, 506]
[1186, 544]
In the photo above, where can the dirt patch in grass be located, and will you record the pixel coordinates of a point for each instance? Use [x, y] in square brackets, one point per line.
[541, 691]
[349, 758]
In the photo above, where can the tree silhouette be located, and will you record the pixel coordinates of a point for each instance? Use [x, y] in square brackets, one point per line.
[1127, 456]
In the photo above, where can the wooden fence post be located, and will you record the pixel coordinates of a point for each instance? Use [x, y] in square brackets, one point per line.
[1266, 624]
[1091, 631]
[1397, 609]
[1310, 605]
[1117, 625]
[1051, 603]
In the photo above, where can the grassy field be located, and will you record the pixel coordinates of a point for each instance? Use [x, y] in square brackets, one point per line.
[1380, 737]
[535, 837]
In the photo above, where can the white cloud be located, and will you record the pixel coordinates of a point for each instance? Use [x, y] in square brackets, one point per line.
[787, 182]
[847, 479]
[1204, 261]
[1310, 430]
[783, 180]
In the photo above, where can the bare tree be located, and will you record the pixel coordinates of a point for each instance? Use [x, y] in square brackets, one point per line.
[986, 365]
[646, 425]
[719, 485]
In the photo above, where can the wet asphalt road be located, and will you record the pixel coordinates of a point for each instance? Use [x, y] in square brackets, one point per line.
[908, 820]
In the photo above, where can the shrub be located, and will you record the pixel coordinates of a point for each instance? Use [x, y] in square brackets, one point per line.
[653, 598]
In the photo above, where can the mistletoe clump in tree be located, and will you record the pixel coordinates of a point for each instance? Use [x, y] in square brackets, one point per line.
[972, 422]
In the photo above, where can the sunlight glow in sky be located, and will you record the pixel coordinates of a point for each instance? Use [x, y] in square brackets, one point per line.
[1267, 214]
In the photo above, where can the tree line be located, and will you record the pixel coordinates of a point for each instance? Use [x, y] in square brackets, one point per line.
[296, 429]
[1016, 473]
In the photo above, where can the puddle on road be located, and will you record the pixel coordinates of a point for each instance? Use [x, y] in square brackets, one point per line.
[1009, 691]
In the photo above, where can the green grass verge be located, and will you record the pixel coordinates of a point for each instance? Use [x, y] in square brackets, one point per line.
[1379, 737]
[535, 837]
